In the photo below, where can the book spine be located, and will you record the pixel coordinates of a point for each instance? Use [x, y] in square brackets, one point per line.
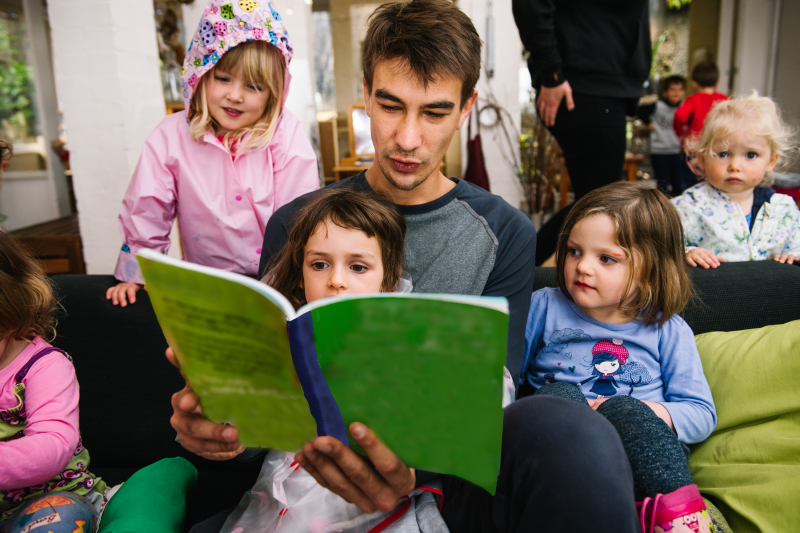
[318, 395]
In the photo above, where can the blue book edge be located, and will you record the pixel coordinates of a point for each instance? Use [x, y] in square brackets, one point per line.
[320, 399]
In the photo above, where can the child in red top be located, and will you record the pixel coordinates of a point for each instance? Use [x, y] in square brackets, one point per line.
[705, 78]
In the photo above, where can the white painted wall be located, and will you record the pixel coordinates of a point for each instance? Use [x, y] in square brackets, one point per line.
[505, 86]
[107, 78]
[754, 46]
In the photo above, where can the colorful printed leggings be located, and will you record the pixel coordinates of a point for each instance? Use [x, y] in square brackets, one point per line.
[60, 512]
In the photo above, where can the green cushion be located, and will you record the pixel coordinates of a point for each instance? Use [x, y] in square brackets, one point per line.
[750, 466]
[152, 500]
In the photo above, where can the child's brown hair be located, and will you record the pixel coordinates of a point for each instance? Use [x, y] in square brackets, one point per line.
[649, 230]
[27, 303]
[350, 209]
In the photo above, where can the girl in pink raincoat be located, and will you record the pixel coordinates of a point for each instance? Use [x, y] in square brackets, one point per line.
[227, 163]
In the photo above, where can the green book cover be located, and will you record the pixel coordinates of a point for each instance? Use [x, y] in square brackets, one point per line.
[423, 371]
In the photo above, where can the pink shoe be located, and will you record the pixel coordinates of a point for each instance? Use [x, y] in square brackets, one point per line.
[681, 511]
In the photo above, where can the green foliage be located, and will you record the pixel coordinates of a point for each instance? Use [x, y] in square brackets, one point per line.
[16, 85]
[677, 4]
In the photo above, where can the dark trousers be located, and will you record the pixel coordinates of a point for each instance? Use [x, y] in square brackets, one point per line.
[563, 468]
[659, 461]
[592, 138]
[672, 173]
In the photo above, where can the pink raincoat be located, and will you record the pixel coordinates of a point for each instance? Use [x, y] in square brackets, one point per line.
[222, 203]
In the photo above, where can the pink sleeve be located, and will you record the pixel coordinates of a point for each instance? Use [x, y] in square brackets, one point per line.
[294, 168]
[148, 208]
[51, 432]
[683, 115]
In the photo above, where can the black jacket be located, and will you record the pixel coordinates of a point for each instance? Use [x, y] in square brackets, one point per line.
[602, 47]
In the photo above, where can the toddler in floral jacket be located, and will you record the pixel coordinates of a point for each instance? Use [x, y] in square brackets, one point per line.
[734, 214]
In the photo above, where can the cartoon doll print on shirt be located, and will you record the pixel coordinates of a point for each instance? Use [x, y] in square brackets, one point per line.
[611, 369]
[608, 357]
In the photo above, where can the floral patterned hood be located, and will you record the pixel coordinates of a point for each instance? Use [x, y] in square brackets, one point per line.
[225, 24]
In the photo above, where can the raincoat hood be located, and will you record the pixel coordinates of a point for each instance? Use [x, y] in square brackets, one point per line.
[225, 24]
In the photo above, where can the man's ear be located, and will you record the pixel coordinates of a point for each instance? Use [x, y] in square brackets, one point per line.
[465, 111]
[366, 97]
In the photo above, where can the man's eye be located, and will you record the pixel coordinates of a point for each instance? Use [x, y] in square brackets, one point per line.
[608, 260]
[358, 268]
[390, 108]
[435, 115]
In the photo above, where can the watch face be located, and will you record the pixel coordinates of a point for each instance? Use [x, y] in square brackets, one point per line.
[488, 116]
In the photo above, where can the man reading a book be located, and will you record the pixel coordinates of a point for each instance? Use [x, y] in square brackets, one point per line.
[421, 64]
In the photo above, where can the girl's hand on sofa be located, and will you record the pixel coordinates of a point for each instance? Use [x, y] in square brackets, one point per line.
[121, 293]
[786, 258]
[207, 439]
[703, 258]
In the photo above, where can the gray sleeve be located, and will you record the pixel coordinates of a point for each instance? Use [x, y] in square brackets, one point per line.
[512, 276]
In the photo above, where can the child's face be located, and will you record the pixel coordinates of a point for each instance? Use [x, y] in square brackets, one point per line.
[674, 94]
[739, 164]
[339, 261]
[607, 367]
[232, 102]
[596, 269]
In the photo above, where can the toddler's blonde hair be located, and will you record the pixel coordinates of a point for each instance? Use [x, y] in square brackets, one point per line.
[262, 65]
[756, 114]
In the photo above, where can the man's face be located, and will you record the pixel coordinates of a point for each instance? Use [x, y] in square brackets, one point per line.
[412, 126]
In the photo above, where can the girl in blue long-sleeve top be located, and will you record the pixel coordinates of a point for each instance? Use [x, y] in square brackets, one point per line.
[610, 337]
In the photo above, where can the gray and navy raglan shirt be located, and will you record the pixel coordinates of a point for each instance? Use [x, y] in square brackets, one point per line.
[467, 241]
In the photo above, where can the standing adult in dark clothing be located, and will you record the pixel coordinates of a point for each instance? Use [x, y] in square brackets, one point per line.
[588, 61]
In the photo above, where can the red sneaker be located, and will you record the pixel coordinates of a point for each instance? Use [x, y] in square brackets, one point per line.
[681, 511]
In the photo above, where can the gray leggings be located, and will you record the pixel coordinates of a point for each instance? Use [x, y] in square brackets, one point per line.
[659, 461]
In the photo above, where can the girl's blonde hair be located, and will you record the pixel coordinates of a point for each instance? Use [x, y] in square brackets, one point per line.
[262, 65]
[649, 230]
[27, 304]
[756, 114]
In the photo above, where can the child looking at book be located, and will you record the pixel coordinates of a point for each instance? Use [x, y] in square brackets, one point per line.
[733, 215]
[344, 242]
[227, 163]
[43, 465]
[690, 117]
[610, 337]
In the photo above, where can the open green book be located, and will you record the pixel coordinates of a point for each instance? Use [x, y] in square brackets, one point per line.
[423, 371]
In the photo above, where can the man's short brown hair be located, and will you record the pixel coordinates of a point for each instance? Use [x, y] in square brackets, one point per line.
[434, 38]
[705, 74]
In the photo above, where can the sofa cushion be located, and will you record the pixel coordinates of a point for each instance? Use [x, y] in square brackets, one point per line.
[750, 466]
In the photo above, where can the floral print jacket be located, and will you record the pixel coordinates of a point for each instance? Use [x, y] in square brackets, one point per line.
[713, 221]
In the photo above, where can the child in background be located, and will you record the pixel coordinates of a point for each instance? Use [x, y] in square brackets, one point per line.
[689, 117]
[227, 163]
[734, 215]
[610, 337]
[669, 164]
[43, 466]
